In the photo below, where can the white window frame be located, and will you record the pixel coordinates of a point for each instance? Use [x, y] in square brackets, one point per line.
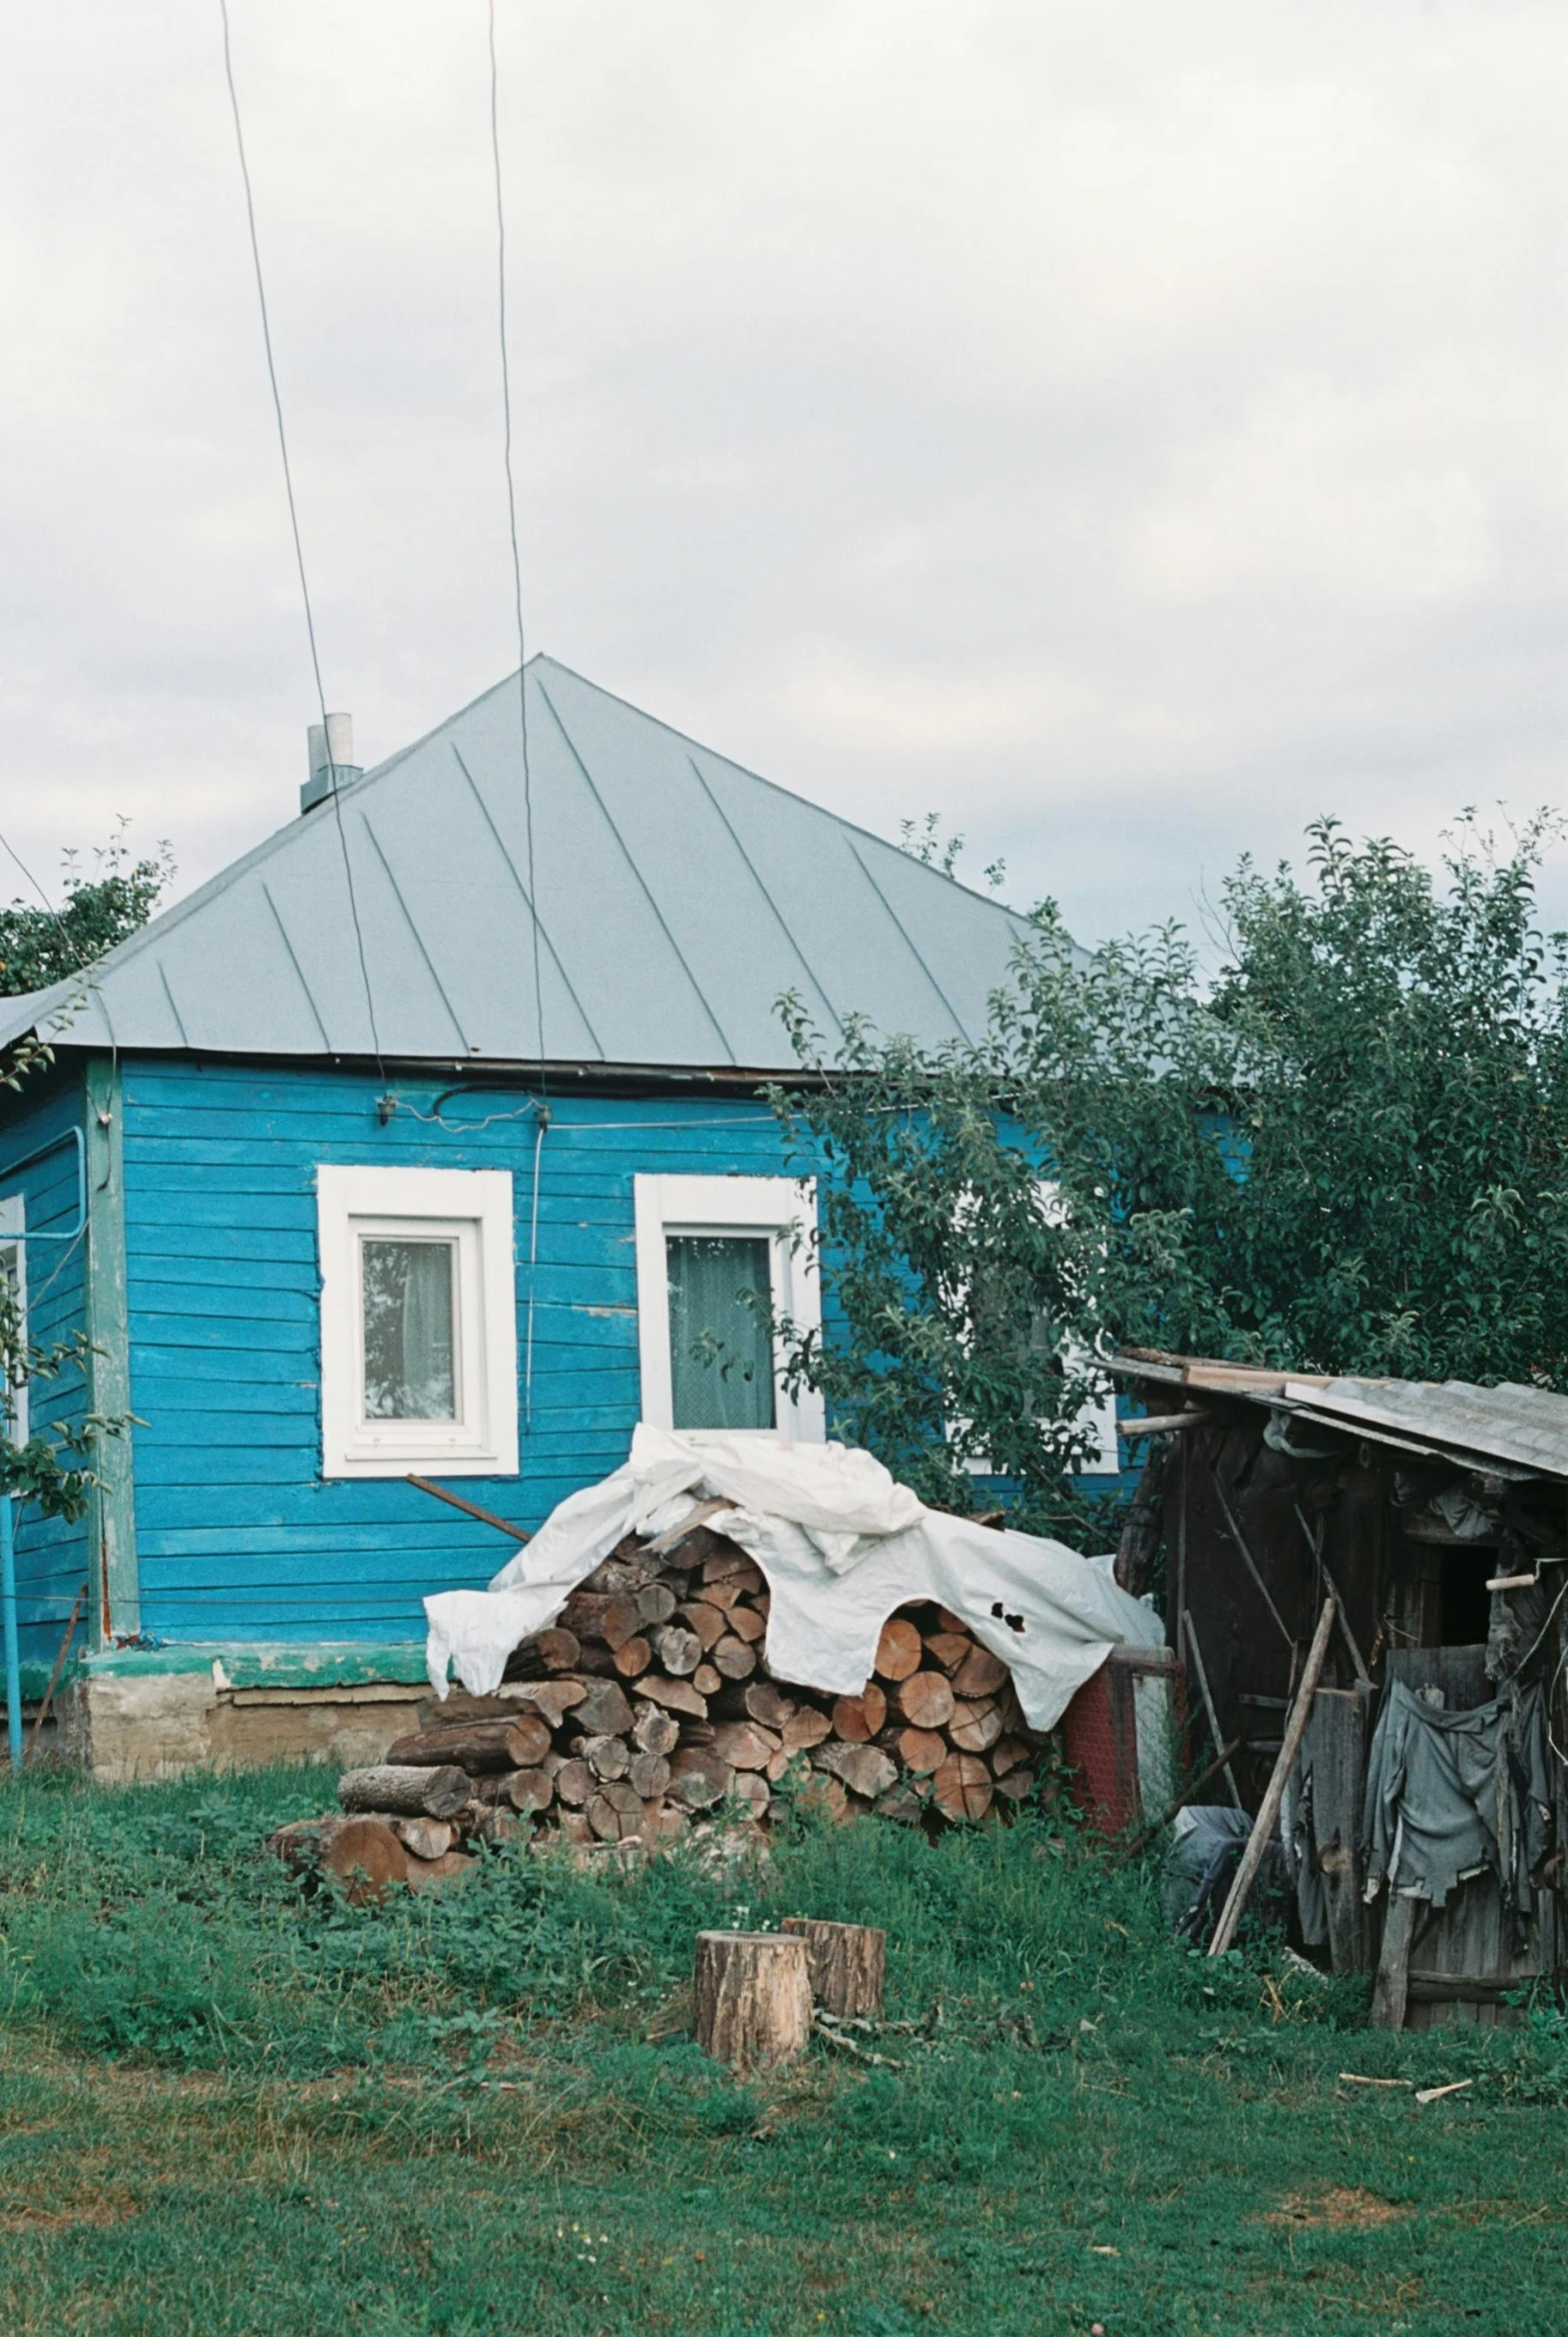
[776, 1209]
[471, 1207]
[1100, 1413]
[13, 1251]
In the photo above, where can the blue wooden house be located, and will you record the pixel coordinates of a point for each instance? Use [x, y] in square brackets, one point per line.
[361, 1162]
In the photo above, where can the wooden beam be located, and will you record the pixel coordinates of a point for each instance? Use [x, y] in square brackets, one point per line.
[1159, 1424]
[470, 1508]
[1263, 1825]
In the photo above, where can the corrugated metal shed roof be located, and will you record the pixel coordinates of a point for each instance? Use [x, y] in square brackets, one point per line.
[678, 895]
[1518, 1428]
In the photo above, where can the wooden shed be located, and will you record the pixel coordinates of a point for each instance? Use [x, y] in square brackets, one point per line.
[1436, 1518]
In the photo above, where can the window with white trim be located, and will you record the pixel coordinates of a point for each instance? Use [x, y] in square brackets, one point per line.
[418, 1322]
[708, 1361]
[13, 1276]
[1099, 1415]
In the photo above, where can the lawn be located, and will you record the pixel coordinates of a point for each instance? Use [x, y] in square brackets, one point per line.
[224, 2108]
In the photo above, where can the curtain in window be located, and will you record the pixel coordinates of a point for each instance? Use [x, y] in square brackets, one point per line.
[408, 1310]
[720, 1354]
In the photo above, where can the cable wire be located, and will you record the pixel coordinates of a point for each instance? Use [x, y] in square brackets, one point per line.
[293, 521]
[517, 608]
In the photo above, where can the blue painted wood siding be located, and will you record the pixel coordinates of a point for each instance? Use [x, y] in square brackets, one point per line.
[51, 1556]
[239, 1537]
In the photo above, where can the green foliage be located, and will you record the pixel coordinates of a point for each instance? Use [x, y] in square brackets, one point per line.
[1346, 1154]
[40, 946]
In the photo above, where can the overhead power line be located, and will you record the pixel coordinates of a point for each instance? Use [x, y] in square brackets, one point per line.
[293, 521]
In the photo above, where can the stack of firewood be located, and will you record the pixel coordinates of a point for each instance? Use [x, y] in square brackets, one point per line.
[646, 1704]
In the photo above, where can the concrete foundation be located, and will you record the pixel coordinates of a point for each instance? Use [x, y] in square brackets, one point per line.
[125, 1727]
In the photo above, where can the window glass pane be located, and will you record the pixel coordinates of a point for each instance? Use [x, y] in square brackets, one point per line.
[408, 1311]
[720, 1355]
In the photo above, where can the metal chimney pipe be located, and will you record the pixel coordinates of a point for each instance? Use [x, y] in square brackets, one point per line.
[331, 752]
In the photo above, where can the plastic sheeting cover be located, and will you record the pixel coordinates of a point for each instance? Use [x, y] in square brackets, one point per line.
[842, 1545]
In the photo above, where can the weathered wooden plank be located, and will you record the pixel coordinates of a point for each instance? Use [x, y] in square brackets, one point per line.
[111, 1523]
[1334, 1746]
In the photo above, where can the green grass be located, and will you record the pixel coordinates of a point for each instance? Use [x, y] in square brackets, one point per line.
[224, 2108]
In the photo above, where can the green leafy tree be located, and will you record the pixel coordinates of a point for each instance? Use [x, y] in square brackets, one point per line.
[40, 946]
[1347, 1152]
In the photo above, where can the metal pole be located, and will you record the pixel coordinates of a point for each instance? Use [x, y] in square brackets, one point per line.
[13, 1657]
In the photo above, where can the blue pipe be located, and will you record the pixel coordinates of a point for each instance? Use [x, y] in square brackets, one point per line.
[13, 1653]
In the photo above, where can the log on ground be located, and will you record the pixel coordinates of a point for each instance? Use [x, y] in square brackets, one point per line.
[406, 1792]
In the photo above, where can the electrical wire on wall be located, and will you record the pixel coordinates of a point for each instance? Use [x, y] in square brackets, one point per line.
[299, 549]
[541, 1110]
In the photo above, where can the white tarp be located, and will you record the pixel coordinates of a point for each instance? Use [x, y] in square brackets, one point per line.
[840, 1544]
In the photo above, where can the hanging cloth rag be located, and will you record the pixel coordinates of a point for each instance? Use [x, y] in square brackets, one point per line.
[1451, 1794]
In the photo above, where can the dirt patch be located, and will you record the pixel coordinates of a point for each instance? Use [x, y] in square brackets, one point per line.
[1342, 2211]
[111, 2207]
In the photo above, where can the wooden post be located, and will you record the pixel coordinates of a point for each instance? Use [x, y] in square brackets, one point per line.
[1335, 1742]
[1393, 1965]
[848, 1964]
[752, 1997]
[1262, 1826]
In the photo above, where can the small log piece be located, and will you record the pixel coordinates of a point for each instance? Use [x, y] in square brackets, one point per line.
[362, 1852]
[926, 1700]
[604, 1712]
[708, 1624]
[962, 1788]
[805, 1727]
[857, 1719]
[732, 1659]
[899, 1649]
[655, 1732]
[615, 1811]
[404, 1792]
[751, 1997]
[647, 1774]
[530, 1790]
[676, 1696]
[745, 1745]
[975, 1728]
[425, 1838]
[747, 1623]
[427, 1875]
[558, 1649]
[679, 1650]
[865, 1769]
[848, 1965]
[553, 1699]
[606, 1757]
[980, 1674]
[922, 1751]
[632, 1657]
[479, 1746]
[574, 1784]
[699, 1777]
[766, 1701]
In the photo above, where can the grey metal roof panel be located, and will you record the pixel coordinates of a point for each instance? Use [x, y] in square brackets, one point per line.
[1527, 1427]
[678, 895]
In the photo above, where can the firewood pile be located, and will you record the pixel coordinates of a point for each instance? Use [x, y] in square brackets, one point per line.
[646, 1706]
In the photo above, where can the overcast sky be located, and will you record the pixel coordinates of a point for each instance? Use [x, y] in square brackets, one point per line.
[1125, 428]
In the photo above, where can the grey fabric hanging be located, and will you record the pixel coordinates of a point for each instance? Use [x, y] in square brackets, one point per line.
[1455, 1793]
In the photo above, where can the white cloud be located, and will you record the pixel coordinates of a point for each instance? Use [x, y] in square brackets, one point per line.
[1129, 429]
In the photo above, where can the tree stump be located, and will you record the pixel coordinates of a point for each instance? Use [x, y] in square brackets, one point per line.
[362, 1852]
[848, 1964]
[752, 1997]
